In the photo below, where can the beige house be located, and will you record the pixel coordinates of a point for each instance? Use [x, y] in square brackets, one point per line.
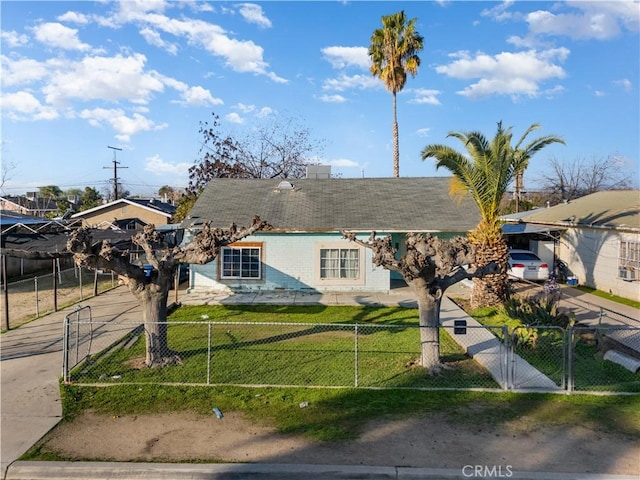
[128, 214]
[599, 239]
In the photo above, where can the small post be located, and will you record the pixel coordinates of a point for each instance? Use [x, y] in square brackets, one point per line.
[35, 287]
[209, 353]
[5, 288]
[95, 282]
[356, 354]
[570, 360]
[65, 351]
[55, 287]
[176, 283]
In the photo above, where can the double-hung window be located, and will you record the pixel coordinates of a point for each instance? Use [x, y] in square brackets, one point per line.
[339, 263]
[629, 261]
[241, 262]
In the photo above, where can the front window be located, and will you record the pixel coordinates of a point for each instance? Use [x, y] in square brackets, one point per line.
[241, 262]
[629, 260]
[339, 263]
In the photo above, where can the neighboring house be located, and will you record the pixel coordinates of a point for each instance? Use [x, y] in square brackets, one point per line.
[127, 214]
[305, 249]
[29, 204]
[598, 237]
[15, 228]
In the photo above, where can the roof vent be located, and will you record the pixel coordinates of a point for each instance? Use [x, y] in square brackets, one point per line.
[285, 185]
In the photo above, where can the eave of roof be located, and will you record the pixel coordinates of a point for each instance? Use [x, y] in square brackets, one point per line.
[115, 202]
[610, 209]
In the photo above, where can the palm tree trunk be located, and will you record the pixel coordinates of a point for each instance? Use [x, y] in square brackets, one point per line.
[396, 146]
[491, 246]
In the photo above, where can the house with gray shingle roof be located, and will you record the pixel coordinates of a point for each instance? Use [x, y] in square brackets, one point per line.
[599, 238]
[304, 248]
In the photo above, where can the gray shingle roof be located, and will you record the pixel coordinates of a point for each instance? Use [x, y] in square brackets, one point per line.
[618, 209]
[382, 204]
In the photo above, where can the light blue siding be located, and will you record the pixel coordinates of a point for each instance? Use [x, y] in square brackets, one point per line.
[290, 262]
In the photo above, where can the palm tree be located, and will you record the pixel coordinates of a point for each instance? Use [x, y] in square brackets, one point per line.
[485, 172]
[394, 53]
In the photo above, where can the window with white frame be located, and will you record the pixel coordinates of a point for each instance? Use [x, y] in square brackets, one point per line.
[241, 262]
[339, 263]
[629, 260]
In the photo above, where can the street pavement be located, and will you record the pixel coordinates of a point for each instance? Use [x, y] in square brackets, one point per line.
[30, 370]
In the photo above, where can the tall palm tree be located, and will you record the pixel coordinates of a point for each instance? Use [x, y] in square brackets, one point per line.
[394, 53]
[485, 172]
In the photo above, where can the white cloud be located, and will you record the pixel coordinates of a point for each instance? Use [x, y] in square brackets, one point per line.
[240, 56]
[153, 38]
[344, 163]
[24, 106]
[624, 83]
[199, 97]
[158, 166]
[22, 71]
[233, 117]
[333, 99]
[515, 74]
[346, 82]
[57, 35]
[74, 17]
[253, 13]
[423, 132]
[265, 112]
[424, 96]
[14, 39]
[343, 57]
[124, 126]
[103, 78]
[244, 108]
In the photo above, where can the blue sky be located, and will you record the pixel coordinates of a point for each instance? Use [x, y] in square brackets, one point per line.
[78, 77]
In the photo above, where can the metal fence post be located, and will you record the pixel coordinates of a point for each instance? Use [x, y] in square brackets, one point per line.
[35, 286]
[569, 359]
[65, 350]
[209, 354]
[506, 358]
[356, 354]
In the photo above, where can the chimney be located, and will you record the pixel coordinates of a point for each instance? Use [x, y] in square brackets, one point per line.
[318, 171]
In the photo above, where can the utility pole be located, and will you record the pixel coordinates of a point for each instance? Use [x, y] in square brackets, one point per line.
[115, 171]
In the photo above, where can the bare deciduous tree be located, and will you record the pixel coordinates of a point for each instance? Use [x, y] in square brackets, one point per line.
[152, 289]
[430, 266]
[568, 180]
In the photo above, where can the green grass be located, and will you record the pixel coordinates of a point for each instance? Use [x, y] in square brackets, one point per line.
[608, 296]
[294, 352]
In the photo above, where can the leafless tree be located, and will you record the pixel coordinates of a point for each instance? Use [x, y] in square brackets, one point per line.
[567, 180]
[430, 266]
[152, 289]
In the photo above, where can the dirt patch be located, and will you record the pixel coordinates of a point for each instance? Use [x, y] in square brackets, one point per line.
[421, 441]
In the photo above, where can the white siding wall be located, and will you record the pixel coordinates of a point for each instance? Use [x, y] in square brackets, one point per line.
[592, 256]
[289, 262]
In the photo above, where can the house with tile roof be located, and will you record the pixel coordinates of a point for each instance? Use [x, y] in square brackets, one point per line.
[127, 214]
[598, 238]
[305, 250]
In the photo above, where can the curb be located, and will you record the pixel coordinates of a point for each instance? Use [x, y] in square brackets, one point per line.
[28, 470]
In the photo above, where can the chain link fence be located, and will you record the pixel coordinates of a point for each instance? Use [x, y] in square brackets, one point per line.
[343, 355]
[42, 294]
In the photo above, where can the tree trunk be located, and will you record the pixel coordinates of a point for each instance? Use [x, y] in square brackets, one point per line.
[153, 299]
[492, 289]
[429, 321]
[396, 143]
